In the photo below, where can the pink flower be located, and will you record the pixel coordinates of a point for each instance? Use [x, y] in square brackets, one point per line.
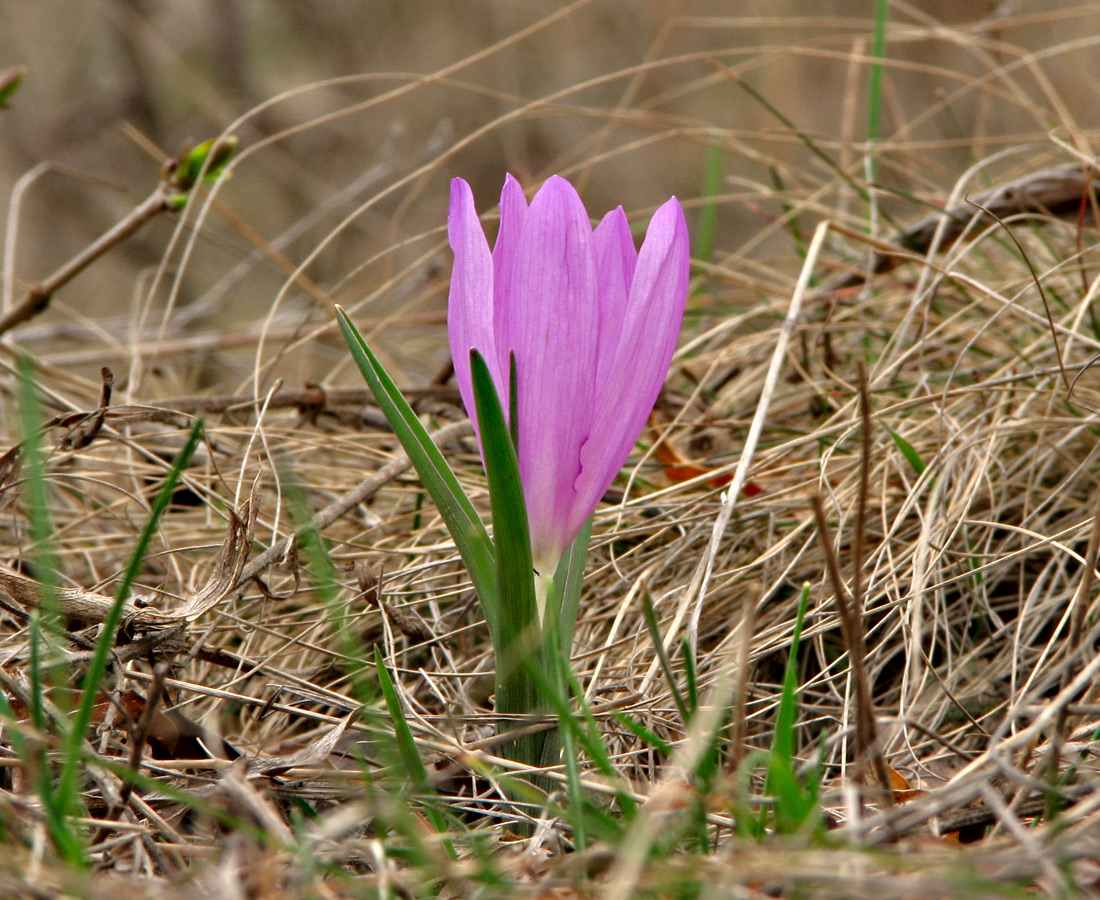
[593, 325]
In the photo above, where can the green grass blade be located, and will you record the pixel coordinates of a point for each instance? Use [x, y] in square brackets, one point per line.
[567, 584]
[458, 513]
[589, 737]
[314, 549]
[36, 674]
[36, 487]
[513, 401]
[793, 803]
[46, 666]
[783, 742]
[812, 146]
[874, 90]
[411, 762]
[662, 656]
[44, 627]
[391, 734]
[10, 79]
[908, 451]
[799, 240]
[690, 680]
[708, 212]
[574, 789]
[97, 667]
[642, 733]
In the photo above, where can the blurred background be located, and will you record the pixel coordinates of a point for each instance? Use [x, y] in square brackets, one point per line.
[353, 115]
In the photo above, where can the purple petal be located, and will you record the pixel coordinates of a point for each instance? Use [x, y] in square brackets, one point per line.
[470, 304]
[651, 325]
[513, 212]
[616, 258]
[550, 322]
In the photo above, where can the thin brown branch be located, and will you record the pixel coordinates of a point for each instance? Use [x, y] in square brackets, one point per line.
[38, 296]
[851, 625]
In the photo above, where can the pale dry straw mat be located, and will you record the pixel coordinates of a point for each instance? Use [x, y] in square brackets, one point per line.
[961, 505]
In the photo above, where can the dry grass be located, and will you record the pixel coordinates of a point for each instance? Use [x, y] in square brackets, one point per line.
[977, 583]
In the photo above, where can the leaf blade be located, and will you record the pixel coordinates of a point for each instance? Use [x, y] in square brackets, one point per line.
[518, 629]
[459, 515]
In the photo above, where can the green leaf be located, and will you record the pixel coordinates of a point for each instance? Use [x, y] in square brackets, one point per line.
[874, 91]
[708, 212]
[690, 680]
[414, 767]
[642, 733]
[910, 454]
[590, 737]
[662, 657]
[568, 581]
[794, 803]
[46, 668]
[513, 401]
[469, 534]
[315, 551]
[517, 635]
[783, 741]
[10, 79]
[97, 668]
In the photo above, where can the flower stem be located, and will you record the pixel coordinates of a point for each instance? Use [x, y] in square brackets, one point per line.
[545, 599]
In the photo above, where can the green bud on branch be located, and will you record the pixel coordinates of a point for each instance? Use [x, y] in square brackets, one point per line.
[203, 163]
[10, 79]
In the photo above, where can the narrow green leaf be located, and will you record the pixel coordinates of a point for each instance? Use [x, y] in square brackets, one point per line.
[790, 215]
[46, 666]
[662, 656]
[574, 789]
[783, 741]
[38, 679]
[458, 513]
[709, 762]
[413, 765]
[708, 212]
[37, 492]
[315, 551]
[590, 737]
[907, 450]
[794, 803]
[640, 731]
[874, 90]
[689, 676]
[513, 401]
[568, 581]
[517, 633]
[815, 149]
[97, 667]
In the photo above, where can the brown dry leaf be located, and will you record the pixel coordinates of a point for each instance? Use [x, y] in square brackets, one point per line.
[313, 754]
[899, 784]
[678, 467]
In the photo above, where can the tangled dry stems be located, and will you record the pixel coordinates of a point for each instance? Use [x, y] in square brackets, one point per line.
[973, 577]
[979, 341]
